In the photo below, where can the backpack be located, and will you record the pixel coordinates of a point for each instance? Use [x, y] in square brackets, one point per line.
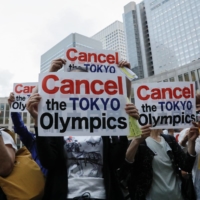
[26, 181]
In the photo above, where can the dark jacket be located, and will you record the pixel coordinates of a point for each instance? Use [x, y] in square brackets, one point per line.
[52, 157]
[141, 171]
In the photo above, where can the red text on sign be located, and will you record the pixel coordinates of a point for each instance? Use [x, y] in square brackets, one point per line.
[69, 86]
[144, 93]
[73, 55]
[19, 88]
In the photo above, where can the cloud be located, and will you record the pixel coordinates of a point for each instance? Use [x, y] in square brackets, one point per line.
[30, 28]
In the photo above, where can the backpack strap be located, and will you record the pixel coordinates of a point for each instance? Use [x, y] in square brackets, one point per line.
[168, 139]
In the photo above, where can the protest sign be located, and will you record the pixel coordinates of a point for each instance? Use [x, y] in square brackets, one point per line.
[96, 61]
[22, 92]
[166, 105]
[77, 103]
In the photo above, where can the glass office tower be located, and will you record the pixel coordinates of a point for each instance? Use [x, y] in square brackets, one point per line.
[133, 46]
[174, 31]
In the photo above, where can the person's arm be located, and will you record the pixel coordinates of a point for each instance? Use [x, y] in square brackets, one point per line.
[183, 142]
[133, 147]
[119, 145]
[25, 135]
[184, 160]
[7, 158]
[192, 136]
[48, 149]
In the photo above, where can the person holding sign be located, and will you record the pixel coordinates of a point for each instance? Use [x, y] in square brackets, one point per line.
[156, 160]
[7, 156]
[27, 138]
[183, 141]
[80, 167]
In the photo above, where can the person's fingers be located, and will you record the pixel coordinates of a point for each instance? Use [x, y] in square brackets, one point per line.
[146, 132]
[63, 61]
[59, 62]
[130, 105]
[121, 63]
[132, 112]
[35, 95]
[33, 100]
[130, 108]
[56, 67]
[124, 63]
[194, 124]
[146, 127]
[31, 107]
[12, 94]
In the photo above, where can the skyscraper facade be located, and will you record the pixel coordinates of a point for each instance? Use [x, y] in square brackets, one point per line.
[137, 39]
[113, 38]
[174, 32]
[72, 40]
[133, 45]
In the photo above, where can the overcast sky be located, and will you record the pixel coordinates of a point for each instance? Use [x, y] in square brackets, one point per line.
[29, 28]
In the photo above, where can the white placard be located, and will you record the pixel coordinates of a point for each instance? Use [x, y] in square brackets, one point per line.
[166, 104]
[22, 92]
[76, 103]
[96, 61]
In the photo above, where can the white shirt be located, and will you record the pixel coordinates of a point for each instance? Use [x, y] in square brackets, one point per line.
[165, 185]
[8, 140]
[85, 162]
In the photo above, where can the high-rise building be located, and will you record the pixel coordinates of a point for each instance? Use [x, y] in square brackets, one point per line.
[73, 40]
[113, 38]
[130, 20]
[164, 34]
[174, 32]
[188, 72]
[137, 39]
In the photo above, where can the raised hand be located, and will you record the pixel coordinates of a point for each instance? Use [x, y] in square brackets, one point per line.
[193, 132]
[132, 110]
[11, 98]
[124, 63]
[32, 106]
[57, 64]
[132, 149]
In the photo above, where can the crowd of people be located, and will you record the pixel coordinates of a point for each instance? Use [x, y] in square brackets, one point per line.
[154, 166]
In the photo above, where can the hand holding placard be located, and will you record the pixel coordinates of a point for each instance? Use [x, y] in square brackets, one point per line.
[32, 106]
[11, 99]
[134, 129]
[133, 147]
[57, 64]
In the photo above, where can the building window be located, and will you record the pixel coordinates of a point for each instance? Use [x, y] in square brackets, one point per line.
[198, 72]
[180, 77]
[186, 77]
[1, 113]
[32, 120]
[25, 117]
[171, 79]
[7, 114]
[166, 80]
